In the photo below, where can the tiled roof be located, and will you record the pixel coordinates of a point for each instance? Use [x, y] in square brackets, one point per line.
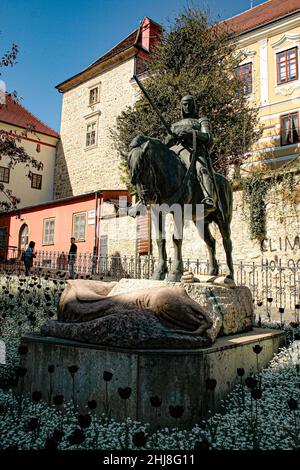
[262, 14]
[14, 113]
[126, 43]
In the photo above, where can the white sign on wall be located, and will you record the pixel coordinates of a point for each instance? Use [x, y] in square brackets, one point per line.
[92, 214]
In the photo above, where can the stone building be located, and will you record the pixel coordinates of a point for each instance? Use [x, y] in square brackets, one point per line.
[92, 100]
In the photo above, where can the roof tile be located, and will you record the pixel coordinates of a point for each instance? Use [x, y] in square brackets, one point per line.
[261, 14]
[14, 113]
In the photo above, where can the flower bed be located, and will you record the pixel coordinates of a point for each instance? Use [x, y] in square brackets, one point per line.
[261, 412]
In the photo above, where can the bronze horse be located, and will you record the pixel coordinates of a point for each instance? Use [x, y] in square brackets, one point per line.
[158, 173]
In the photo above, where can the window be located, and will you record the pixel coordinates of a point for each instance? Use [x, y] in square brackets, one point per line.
[3, 240]
[79, 221]
[289, 129]
[94, 95]
[287, 65]
[4, 174]
[36, 181]
[91, 134]
[244, 73]
[48, 232]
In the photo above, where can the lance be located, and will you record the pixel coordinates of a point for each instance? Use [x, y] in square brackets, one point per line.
[154, 106]
[179, 193]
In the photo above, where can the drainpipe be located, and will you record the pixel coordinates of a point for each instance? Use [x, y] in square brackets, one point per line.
[96, 237]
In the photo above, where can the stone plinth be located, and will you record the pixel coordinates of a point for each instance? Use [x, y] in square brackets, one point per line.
[231, 309]
[178, 377]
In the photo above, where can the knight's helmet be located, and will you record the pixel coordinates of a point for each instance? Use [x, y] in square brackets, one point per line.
[188, 107]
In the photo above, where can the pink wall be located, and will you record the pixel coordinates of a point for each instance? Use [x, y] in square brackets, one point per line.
[63, 214]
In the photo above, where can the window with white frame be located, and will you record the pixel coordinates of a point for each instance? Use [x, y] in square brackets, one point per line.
[287, 65]
[244, 73]
[90, 134]
[94, 96]
[48, 231]
[289, 125]
[79, 222]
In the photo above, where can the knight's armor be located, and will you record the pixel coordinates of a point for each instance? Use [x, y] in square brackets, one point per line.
[182, 133]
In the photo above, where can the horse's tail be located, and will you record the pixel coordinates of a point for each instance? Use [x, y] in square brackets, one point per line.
[226, 196]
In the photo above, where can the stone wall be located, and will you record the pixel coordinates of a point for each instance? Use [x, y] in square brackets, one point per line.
[282, 231]
[79, 168]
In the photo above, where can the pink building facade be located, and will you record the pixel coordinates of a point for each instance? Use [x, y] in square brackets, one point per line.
[52, 224]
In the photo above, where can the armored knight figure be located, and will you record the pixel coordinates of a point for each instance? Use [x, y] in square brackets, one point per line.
[182, 132]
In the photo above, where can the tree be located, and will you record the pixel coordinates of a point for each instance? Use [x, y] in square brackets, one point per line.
[10, 144]
[199, 58]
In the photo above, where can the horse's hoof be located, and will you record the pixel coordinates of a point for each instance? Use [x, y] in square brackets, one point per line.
[175, 277]
[213, 272]
[158, 275]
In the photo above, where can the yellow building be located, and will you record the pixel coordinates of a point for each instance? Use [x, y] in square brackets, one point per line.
[30, 185]
[268, 44]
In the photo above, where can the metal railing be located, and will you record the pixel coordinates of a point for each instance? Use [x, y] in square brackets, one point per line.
[275, 284]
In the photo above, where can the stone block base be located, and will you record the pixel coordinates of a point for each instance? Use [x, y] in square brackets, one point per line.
[177, 377]
[231, 309]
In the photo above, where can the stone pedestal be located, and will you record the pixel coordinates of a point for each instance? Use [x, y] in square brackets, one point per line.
[177, 377]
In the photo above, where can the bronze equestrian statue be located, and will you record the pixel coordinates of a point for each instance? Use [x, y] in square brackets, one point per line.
[178, 171]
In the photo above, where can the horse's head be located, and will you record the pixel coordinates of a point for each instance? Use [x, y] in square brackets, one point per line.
[135, 160]
[155, 170]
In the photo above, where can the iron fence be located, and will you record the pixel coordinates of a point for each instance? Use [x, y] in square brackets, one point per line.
[273, 284]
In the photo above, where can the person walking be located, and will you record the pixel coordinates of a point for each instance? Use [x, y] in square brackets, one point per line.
[72, 258]
[28, 258]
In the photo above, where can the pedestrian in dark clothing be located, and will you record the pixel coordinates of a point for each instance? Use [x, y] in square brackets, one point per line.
[72, 257]
[28, 258]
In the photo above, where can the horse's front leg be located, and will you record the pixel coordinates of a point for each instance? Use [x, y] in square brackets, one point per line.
[177, 269]
[160, 271]
[204, 232]
[227, 244]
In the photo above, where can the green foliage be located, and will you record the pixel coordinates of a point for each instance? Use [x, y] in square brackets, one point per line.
[195, 58]
[255, 191]
[256, 188]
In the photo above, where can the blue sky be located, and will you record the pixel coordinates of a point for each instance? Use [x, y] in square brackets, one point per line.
[59, 38]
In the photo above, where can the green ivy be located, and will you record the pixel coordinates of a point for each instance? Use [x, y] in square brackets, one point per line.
[256, 188]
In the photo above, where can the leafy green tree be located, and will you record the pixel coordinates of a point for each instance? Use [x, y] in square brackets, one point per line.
[199, 58]
[10, 144]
